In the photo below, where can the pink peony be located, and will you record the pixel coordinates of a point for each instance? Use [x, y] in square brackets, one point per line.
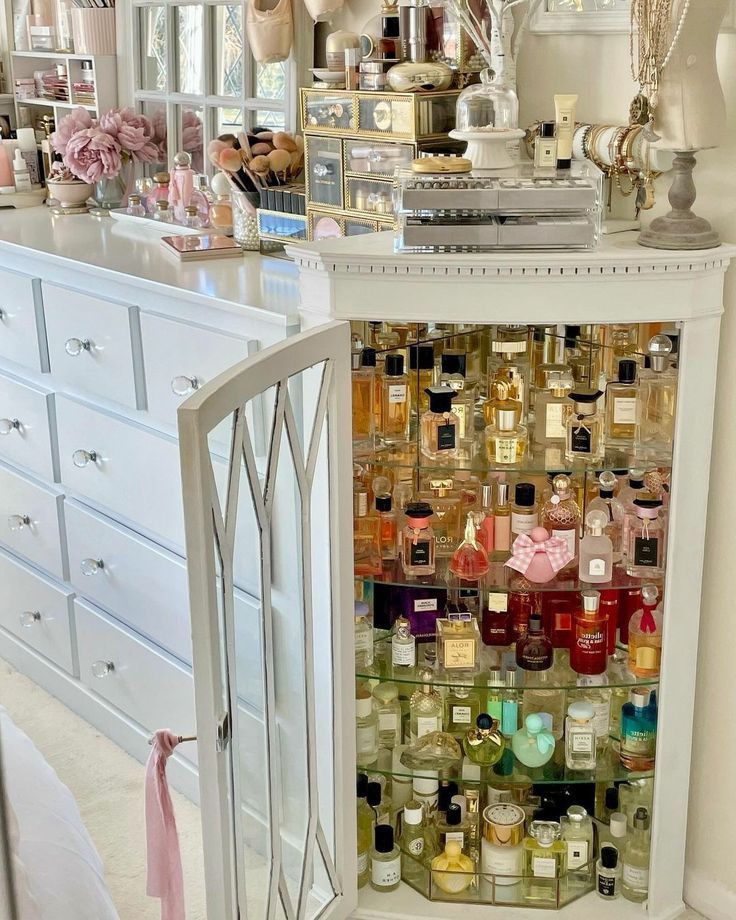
[78, 119]
[133, 133]
[93, 154]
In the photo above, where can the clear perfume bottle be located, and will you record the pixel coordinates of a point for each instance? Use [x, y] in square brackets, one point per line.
[622, 405]
[160, 192]
[192, 220]
[163, 212]
[386, 695]
[135, 208]
[363, 636]
[395, 400]
[413, 830]
[594, 690]
[417, 540]
[612, 507]
[485, 519]
[451, 827]
[470, 561]
[544, 698]
[462, 708]
[577, 834]
[552, 407]
[596, 550]
[621, 340]
[403, 645]
[366, 727]
[425, 708]
[366, 543]
[580, 742]
[545, 861]
[387, 527]
[638, 730]
[458, 643]
[561, 514]
[647, 538]
[645, 635]
[584, 427]
[440, 426]
[635, 869]
[506, 439]
[385, 860]
[658, 396]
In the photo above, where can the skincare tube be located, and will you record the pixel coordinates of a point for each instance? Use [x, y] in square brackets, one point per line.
[565, 118]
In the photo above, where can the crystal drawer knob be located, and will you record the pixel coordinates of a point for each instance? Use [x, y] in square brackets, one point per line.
[18, 521]
[75, 347]
[183, 386]
[102, 668]
[29, 618]
[7, 425]
[91, 566]
[81, 458]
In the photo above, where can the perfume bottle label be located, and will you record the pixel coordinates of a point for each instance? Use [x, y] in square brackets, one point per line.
[636, 877]
[498, 602]
[583, 742]
[420, 552]
[607, 886]
[388, 722]
[459, 653]
[568, 536]
[624, 411]
[426, 725]
[366, 739]
[404, 653]
[646, 551]
[647, 658]
[601, 718]
[446, 437]
[455, 837]
[581, 440]
[544, 867]
[506, 450]
[459, 411]
[456, 385]
[577, 853]
[523, 523]
[554, 421]
[397, 393]
[461, 715]
[425, 604]
[416, 846]
[385, 874]
[597, 567]
[363, 641]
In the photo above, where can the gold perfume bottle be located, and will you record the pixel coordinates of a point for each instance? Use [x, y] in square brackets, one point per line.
[622, 405]
[395, 400]
[506, 439]
[447, 507]
[458, 643]
[440, 426]
[363, 383]
[421, 374]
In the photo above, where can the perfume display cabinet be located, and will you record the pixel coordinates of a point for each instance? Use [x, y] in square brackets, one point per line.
[471, 495]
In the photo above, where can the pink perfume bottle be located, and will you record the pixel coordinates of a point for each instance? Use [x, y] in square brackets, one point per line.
[181, 185]
[470, 560]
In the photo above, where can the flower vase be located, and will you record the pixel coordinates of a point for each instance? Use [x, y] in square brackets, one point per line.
[111, 192]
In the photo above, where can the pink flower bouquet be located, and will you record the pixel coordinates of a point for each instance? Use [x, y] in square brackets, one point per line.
[97, 149]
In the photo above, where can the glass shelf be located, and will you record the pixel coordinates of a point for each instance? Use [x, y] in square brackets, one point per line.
[383, 671]
[501, 579]
[609, 769]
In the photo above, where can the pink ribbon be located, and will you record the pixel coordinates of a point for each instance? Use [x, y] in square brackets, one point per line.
[165, 878]
[524, 550]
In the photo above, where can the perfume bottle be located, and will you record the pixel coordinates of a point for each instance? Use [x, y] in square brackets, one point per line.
[452, 870]
[365, 830]
[534, 650]
[453, 367]
[363, 637]
[395, 401]
[510, 704]
[469, 561]
[366, 727]
[638, 730]
[608, 874]
[386, 695]
[387, 528]
[545, 861]
[379, 803]
[366, 543]
[403, 645]
[647, 538]
[645, 635]
[506, 439]
[439, 426]
[494, 694]
[502, 851]
[596, 550]
[580, 742]
[612, 507]
[544, 698]
[417, 541]
[135, 208]
[421, 367]
[450, 827]
[485, 743]
[533, 745]
[159, 192]
[462, 708]
[561, 514]
[628, 492]
[447, 504]
[425, 790]
[577, 834]
[369, 361]
[584, 427]
[485, 519]
[508, 364]
[658, 398]
[635, 869]
[425, 708]
[552, 407]
[385, 860]
[458, 643]
[496, 622]
[622, 405]
[589, 648]
[545, 147]
[163, 212]
[594, 690]
[621, 341]
[363, 390]
[502, 519]
[524, 510]
[191, 218]
[413, 829]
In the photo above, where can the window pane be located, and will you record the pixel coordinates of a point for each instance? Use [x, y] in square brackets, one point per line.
[271, 81]
[192, 135]
[155, 112]
[229, 50]
[153, 47]
[228, 121]
[190, 21]
[586, 6]
[266, 118]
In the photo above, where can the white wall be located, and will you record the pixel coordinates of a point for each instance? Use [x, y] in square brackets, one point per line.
[597, 69]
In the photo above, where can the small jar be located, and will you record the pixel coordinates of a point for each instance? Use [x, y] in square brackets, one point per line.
[135, 208]
[163, 212]
[502, 853]
[192, 218]
[159, 192]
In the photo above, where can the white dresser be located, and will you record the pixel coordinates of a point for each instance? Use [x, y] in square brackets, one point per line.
[101, 337]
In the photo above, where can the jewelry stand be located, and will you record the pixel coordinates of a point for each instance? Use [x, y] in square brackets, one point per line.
[681, 229]
[489, 149]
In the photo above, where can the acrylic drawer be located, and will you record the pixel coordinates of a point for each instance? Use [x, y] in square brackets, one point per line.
[328, 110]
[371, 196]
[22, 335]
[37, 611]
[376, 157]
[384, 114]
[180, 357]
[325, 226]
[31, 521]
[28, 427]
[94, 345]
[149, 687]
[134, 579]
[324, 171]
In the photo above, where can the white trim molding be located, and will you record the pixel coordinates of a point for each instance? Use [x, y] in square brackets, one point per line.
[554, 22]
[709, 897]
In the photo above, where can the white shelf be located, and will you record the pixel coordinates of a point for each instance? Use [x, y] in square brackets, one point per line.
[58, 55]
[52, 104]
[6, 97]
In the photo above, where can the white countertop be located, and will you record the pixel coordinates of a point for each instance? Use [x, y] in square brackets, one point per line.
[268, 288]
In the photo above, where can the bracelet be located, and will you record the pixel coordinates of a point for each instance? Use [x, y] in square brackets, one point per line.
[585, 141]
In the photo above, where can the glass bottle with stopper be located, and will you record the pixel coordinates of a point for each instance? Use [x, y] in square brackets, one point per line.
[596, 550]
[645, 635]
[506, 438]
[607, 502]
[658, 397]
[470, 560]
[561, 513]
[425, 708]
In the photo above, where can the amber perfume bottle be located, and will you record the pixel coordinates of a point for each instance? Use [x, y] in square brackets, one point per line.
[658, 398]
[589, 648]
[421, 375]
[366, 542]
[417, 540]
[453, 368]
[534, 650]
[645, 635]
[506, 439]
[552, 407]
[446, 503]
[363, 389]
[440, 426]
[395, 400]
[622, 405]
[387, 527]
[561, 514]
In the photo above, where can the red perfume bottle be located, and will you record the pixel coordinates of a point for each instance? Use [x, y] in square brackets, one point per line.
[496, 621]
[588, 651]
[558, 610]
[610, 608]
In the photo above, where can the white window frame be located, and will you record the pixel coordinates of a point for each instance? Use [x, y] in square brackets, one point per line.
[130, 75]
[602, 21]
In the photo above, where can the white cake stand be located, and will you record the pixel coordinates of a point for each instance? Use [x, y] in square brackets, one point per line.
[489, 149]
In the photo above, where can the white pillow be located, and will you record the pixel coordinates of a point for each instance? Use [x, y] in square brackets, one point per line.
[64, 873]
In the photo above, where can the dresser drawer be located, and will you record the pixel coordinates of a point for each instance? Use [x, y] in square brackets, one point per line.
[136, 580]
[31, 521]
[28, 427]
[22, 336]
[95, 345]
[148, 686]
[37, 611]
[180, 357]
[131, 470]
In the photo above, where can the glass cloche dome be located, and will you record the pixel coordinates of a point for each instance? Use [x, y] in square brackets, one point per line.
[491, 105]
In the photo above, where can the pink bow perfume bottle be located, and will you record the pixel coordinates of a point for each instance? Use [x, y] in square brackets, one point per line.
[539, 556]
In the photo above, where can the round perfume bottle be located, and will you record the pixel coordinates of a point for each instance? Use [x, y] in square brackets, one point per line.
[484, 744]
[533, 745]
[470, 560]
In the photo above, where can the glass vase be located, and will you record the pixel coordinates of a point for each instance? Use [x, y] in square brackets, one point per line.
[111, 192]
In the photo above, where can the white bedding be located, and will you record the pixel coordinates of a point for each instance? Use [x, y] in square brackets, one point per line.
[58, 872]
